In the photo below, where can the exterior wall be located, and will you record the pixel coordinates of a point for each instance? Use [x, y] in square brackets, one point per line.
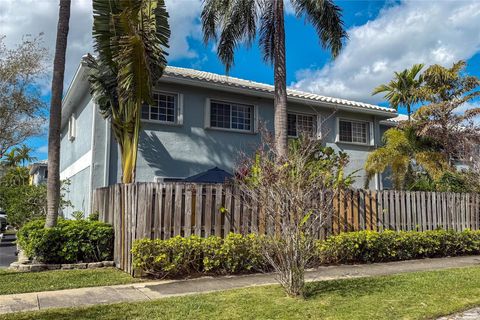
[74, 150]
[76, 158]
[183, 150]
[39, 176]
[78, 193]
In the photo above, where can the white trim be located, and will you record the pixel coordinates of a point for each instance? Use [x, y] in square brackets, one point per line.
[253, 124]
[81, 164]
[369, 138]
[178, 110]
[314, 115]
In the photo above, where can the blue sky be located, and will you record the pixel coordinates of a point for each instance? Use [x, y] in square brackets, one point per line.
[384, 36]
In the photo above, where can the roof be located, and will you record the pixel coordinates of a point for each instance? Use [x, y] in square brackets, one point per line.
[227, 81]
[36, 165]
[215, 175]
[395, 121]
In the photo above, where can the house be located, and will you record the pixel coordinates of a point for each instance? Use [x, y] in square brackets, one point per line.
[200, 121]
[38, 173]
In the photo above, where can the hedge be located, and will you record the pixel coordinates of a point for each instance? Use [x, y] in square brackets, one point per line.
[180, 257]
[70, 241]
[371, 246]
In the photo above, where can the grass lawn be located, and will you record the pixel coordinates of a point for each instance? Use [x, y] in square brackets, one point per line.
[21, 282]
[423, 295]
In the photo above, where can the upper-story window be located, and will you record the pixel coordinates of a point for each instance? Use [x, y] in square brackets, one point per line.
[72, 127]
[164, 108]
[298, 124]
[228, 115]
[354, 131]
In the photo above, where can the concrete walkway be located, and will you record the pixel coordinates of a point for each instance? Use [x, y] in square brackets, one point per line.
[162, 289]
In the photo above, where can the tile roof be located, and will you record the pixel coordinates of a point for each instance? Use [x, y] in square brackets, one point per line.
[396, 120]
[177, 72]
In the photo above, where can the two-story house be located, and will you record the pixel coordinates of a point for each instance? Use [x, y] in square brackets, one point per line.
[199, 121]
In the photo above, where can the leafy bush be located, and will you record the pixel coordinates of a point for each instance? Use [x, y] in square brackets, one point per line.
[370, 246]
[24, 202]
[69, 242]
[180, 256]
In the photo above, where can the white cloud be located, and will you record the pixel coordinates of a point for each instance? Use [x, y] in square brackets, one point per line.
[20, 17]
[467, 106]
[42, 149]
[411, 32]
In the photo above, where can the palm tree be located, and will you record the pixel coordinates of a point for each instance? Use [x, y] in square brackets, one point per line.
[402, 151]
[230, 23]
[23, 154]
[53, 181]
[10, 159]
[402, 90]
[130, 38]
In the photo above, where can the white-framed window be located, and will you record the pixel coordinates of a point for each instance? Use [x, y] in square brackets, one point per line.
[354, 131]
[166, 108]
[298, 123]
[231, 116]
[72, 127]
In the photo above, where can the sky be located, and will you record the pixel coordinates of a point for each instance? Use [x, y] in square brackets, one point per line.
[384, 36]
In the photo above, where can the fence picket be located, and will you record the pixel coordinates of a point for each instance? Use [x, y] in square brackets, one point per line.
[156, 210]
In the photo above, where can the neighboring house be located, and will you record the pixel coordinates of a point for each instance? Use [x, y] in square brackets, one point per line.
[38, 173]
[200, 121]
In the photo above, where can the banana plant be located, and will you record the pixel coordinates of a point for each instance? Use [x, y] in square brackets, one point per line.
[130, 40]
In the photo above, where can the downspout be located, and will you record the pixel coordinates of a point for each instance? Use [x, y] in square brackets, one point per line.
[92, 148]
[106, 174]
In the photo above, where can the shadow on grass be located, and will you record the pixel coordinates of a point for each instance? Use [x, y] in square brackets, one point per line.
[352, 287]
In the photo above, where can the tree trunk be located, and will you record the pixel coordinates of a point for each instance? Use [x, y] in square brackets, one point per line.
[53, 181]
[280, 76]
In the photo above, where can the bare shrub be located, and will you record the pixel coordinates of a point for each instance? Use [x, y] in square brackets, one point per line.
[295, 195]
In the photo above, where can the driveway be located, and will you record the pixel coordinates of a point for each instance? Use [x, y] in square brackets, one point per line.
[7, 251]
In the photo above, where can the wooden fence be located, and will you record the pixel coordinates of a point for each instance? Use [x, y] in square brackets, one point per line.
[163, 210]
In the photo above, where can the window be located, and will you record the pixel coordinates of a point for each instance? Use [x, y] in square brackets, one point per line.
[301, 123]
[164, 108]
[72, 127]
[354, 131]
[228, 115]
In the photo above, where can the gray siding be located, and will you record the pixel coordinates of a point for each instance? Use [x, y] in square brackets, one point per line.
[184, 150]
[78, 193]
[71, 151]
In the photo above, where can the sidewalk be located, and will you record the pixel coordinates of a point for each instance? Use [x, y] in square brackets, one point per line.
[162, 289]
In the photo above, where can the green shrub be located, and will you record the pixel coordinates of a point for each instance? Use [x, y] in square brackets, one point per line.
[180, 256]
[370, 246]
[69, 242]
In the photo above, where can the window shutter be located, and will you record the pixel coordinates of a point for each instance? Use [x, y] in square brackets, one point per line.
[255, 119]
[319, 126]
[372, 134]
[207, 113]
[337, 129]
[180, 109]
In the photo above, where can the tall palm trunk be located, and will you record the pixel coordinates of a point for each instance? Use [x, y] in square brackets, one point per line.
[280, 81]
[53, 182]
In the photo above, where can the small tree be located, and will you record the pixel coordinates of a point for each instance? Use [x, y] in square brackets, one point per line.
[296, 196]
[446, 91]
[21, 105]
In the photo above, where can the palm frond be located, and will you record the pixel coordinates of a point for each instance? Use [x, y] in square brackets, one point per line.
[326, 18]
[267, 30]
